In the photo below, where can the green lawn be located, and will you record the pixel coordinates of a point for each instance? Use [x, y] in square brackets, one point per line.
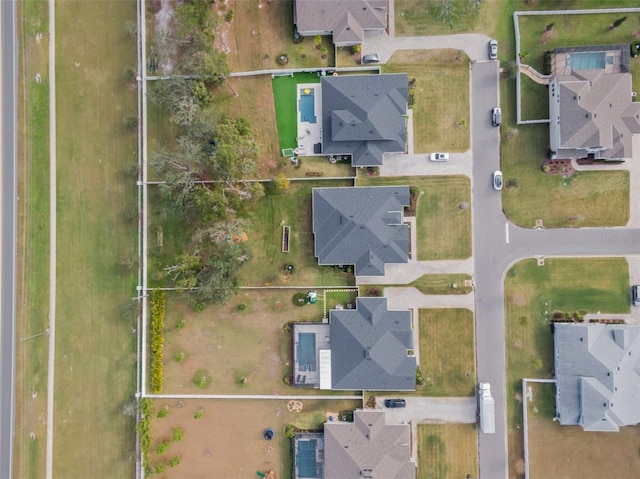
[33, 244]
[447, 354]
[532, 293]
[285, 99]
[441, 109]
[535, 99]
[444, 229]
[447, 451]
[291, 208]
[95, 347]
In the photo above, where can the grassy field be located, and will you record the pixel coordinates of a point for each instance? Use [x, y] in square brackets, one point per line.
[447, 451]
[447, 357]
[286, 104]
[443, 228]
[535, 99]
[272, 212]
[228, 438]
[33, 243]
[95, 347]
[421, 17]
[441, 108]
[558, 451]
[532, 293]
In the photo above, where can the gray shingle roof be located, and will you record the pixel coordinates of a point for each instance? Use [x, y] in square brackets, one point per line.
[593, 112]
[361, 226]
[346, 19]
[364, 116]
[369, 348]
[597, 370]
[368, 447]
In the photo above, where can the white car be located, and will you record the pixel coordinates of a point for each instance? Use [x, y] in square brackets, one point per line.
[439, 156]
[497, 180]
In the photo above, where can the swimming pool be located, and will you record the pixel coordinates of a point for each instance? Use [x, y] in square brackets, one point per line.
[307, 106]
[588, 61]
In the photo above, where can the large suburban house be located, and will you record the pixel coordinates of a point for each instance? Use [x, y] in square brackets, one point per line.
[597, 368]
[360, 116]
[346, 20]
[361, 226]
[591, 108]
[368, 447]
[368, 347]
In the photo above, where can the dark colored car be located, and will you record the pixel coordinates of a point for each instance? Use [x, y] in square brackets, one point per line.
[635, 299]
[395, 403]
[372, 58]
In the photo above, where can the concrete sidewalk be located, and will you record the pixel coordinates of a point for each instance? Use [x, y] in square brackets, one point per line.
[405, 273]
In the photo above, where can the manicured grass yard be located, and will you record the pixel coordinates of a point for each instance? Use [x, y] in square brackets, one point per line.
[286, 104]
[242, 339]
[447, 451]
[444, 229]
[532, 293]
[535, 99]
[559, 451]
[441, 109]
[228, 438]
[268, 216]
[447, 357]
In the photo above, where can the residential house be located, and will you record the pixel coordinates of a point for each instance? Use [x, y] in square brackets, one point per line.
[361, 226]
[346, 20]
[591, 108]
[597, 368]
[368, 347]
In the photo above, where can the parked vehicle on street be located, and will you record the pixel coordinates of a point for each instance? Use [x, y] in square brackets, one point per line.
[496, 116]
[497, 180]
[486, 409]
[439, 156]
[395, 403]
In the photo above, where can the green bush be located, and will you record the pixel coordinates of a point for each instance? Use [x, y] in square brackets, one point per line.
[157, 340]
[163, 412]
[144, 431]
[229, 15]
[178, 434]
[174, 461]
[181, 324]
[163, 447]
[289, 430]
[198, 414]
[179, 357]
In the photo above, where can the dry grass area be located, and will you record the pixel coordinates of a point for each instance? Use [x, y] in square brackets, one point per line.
[227, 441]
[568, 452]
[447, 451]
[242, 339]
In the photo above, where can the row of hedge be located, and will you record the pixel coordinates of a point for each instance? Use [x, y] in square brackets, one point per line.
[144, 432]
[157, 340]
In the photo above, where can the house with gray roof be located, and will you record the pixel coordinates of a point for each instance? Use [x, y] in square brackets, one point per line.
[361, 226]
[368, 347]
[368, 447]
[346, 20]
[591, 108]
[364, 116]
[597, 368]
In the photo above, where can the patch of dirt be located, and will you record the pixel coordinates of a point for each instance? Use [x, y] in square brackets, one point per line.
[163, 25]
[518, 397]
[517, 299]
[546, 36]
[517, 344]
[520, 466]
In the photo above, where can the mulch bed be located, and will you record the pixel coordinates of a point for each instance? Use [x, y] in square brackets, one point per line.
[558, 167]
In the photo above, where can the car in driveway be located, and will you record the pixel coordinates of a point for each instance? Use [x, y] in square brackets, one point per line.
[493, 50]
[497, 180]
[439, 157]
[371, 58]
[496, 116]
[395, 403]
[635, 299]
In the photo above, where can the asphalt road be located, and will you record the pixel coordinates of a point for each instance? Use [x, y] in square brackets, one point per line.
[497, 244]
[7, 292]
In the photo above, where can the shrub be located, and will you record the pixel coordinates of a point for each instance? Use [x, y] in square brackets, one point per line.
[178, 434]
[181, 324]
[163, 412]
[157, 340]
[419, 377]
[229, 15]
[198, 414]
[201, 378]
[179, 357]
[160, 468]
[242, 307]
[289, 430]
[356, 48]
[174, 461]
[144, 431]
[163, 446]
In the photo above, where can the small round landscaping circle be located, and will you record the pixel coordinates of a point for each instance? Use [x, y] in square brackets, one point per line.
[300, 299]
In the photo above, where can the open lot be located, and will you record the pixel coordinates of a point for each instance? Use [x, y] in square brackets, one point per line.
[447, 354]
[441, 108]
[447, 451]
[559, 451]
[268, 216]
[241, 347]
[443, 213]
[532, 293]
[228, 438]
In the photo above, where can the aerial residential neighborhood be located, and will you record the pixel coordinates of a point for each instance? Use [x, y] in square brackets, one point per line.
[320, 239]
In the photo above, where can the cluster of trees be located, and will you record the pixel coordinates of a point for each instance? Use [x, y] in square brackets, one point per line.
[157, 340]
